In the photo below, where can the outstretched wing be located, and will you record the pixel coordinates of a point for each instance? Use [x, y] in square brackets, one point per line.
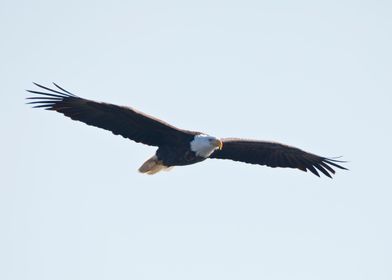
[120, 120]
[275, 155]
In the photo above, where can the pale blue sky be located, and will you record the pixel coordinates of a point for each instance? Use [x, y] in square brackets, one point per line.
[314, 74]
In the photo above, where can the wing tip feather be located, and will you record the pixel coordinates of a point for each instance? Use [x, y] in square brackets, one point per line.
[50, 98]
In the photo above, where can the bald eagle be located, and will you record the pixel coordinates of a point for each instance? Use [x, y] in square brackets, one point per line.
[176, 147]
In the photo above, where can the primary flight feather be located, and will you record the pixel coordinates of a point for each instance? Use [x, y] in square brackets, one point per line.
[176, 147]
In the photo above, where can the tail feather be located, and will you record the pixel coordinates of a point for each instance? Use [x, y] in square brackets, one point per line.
[153, 166]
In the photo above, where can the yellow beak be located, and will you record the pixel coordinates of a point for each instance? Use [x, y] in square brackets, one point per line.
[219, 144]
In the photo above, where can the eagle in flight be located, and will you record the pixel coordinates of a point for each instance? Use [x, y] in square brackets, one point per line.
[176, 147]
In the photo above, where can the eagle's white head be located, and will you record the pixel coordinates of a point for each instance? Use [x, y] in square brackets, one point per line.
[204, 145]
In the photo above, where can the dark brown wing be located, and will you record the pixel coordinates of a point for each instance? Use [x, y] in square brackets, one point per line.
[275, 155]
[120, 120]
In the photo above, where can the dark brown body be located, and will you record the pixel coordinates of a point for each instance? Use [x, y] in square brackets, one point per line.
[177, 156]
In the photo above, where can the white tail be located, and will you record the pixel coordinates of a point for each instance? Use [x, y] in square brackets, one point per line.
[153, 166]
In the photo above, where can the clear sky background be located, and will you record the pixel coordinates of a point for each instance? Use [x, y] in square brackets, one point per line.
[314, 74]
